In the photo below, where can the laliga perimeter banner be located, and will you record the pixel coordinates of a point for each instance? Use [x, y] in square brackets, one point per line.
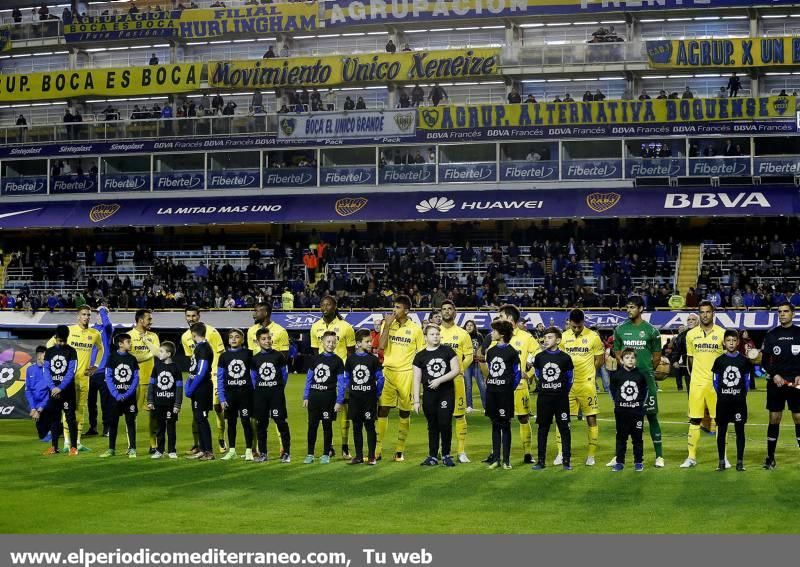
[15, 359]
[390, 206]
[194, 24]
[513, 119]
[737, 53]
[362, 68]
[343, 12]
[150, 80]
[342, 125]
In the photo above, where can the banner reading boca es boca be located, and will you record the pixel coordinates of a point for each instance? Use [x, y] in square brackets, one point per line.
[350, 69]
[150, 80]
[510, 120]
[194, 24]
[736, 53]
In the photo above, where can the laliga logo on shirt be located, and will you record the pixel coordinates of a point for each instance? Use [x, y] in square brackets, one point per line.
[193, 365]
[438, 204]
[123, 374]
[267, 371]
[436, 368]
[165, 381]
[58, 365]
[731, 376]
[629, 391]
[321, 373]
[776, 350]
[497, 367]
[551, 372]
[236, 369]
[360, 374]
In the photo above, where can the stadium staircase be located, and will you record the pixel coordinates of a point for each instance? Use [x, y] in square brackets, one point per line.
[688, 266]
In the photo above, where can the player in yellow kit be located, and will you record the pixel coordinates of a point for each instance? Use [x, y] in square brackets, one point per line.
[459, 340]
[527, 347]
[588, 354]
[345, 346]
[704, 344]
[262, 313]
[214, 340]
[144, 347]
[83, 339]
[400, 340]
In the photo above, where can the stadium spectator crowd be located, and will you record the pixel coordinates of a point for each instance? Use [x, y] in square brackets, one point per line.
[552, 274]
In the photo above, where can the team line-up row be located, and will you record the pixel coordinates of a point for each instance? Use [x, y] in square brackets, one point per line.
[420, 370]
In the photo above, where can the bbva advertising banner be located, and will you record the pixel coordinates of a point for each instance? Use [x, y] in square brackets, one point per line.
[765, 200]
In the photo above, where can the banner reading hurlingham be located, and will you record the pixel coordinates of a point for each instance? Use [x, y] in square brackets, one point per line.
[195, 23]
[350, 124]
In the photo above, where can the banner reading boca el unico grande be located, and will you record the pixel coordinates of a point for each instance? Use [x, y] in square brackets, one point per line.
[734, 53]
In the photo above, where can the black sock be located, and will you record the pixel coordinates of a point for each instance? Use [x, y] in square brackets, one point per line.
[772, 439]
[739, 428]
[722, 434]
[541, 439]
[506, 440]
[496, 439]
[797, 433]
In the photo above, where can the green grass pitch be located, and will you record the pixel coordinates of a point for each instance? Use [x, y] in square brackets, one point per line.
[85, 494]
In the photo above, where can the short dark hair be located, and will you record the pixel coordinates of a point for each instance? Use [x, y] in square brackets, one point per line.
[84, 308]
[261, 332]
[511, 311]
[361, 334]
[448, 302]
[505, 328]
[786, 304]
[168, 346]
[41, 348]
[192, 307]
[553, 331]
[705, 303]
[403, 300]
[635, 300]
[62, 332]
[198, 329]
[238, 331]
[329, 298]
[327, 334]
[731, 333]
[627, 350]
[140, 313]
[266, 306]
[577, 316]
[119, 337]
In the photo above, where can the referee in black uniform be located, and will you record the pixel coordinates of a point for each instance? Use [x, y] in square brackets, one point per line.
[781, 360]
